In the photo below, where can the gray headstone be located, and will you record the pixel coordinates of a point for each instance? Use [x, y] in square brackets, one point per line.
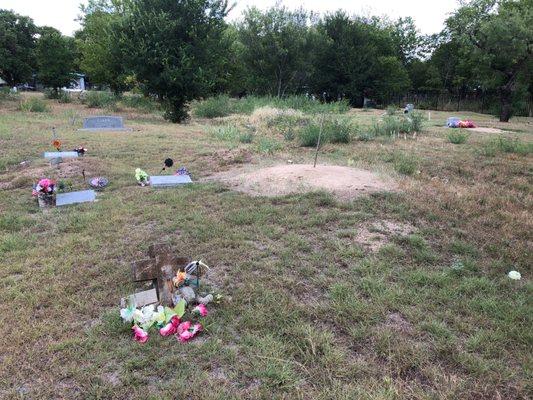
[103, 123]
[60, 154]
[83, 196]
[169, 180]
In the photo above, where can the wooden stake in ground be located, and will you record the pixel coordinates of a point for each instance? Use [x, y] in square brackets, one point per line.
[318, 141]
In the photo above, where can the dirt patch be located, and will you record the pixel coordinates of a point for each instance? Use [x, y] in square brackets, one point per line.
[344, 182]
[481, 129]
[397, 322]
[377, 234]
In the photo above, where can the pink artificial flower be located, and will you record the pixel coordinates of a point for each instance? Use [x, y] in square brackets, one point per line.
[171, 327]
[186, 332]
[139, 335]
[45, 183]
[200, 309]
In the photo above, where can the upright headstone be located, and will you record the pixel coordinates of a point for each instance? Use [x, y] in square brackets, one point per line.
[103, 123]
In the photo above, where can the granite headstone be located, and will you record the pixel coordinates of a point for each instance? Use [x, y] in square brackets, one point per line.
[104, 123]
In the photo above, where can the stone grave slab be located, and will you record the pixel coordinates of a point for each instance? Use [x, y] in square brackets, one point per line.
[83, 196]
[169, 180]
[141, 299]
[60, 154]
[103, 123]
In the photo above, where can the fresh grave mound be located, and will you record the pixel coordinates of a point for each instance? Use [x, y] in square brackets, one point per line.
[344, 182]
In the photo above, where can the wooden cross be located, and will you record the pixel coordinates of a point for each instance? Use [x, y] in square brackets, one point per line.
[161, 267]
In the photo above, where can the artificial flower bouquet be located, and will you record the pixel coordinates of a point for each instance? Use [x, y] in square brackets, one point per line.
[168, 321]
[80, 150]
[142, 177]
[45, 191]
[57, 144]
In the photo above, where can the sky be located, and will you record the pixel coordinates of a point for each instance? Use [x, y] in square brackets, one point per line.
[429, 15]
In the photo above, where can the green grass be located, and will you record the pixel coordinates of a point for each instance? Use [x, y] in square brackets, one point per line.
[507, 145]
[309, 310]
[98, 99]
[334, 130]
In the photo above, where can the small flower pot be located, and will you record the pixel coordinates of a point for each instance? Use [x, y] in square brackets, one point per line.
[46, 200]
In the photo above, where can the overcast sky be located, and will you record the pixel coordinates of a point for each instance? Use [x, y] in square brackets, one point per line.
[429, 15]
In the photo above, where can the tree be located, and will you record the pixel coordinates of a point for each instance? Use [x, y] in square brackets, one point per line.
[497, 35]
[358, 58]
[174, 48]
[55, 59]
[102, 58]
[17, 47]
[276, 50]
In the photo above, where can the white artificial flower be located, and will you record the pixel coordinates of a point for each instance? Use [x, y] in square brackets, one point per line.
[515, 275]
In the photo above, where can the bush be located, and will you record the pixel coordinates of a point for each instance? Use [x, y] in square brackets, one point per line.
[247, 137]
[7, 95]
[33, 104]
[335, 130]
[405, 165]
[64, 97]
[457, 137]
[393, 126]
[269, 146]
[96, 99]
[506, 145]
[213, 107]
[140, 102]
[391, 110]
[228, 133]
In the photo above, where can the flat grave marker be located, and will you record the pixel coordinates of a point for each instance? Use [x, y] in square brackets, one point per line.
[60, 154]
[169, 180]
[103, 123]
[83, 196]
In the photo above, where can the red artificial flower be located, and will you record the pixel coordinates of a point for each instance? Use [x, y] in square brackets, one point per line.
[139, 335]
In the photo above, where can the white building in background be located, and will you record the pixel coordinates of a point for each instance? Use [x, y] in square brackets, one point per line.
[77, 84]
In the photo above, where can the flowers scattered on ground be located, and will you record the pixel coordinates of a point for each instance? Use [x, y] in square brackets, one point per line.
[167, 320]
[44, 187]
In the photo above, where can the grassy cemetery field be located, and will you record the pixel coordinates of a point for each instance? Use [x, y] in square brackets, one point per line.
[380, 274]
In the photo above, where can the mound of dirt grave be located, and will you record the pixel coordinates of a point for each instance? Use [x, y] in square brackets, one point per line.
[279, 180]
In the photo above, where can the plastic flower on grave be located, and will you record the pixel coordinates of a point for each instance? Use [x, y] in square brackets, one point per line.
[185, 332]
[144, 316]
[57, 144]
[179, 278]
[45, 185]
[140, 175]
[200, 309]
[514, 275]
[128, 313]
[80, 150]
[139, 335]
[170, 328]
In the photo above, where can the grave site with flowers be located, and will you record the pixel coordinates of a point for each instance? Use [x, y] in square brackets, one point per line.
[398, 267]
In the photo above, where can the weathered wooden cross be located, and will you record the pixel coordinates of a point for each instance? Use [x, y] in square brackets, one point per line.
[161, 267]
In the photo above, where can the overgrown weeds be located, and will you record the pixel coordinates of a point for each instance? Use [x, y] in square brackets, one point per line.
[33, 104]
[457, 137]
[506, 145]
[99, 99]
[334, 130]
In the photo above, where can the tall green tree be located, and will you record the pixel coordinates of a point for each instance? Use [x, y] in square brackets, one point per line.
[498, 35]
[358, 58]
[174, 47]
[102, 57]
[55, 59]
[17, 47]
[276, 50]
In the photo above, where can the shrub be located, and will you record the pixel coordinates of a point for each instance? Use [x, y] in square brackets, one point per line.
[33, 104]
[213, 107]
[507, 145]
[227, 133]
[416, 119]
[334, 130]
[96, 99]
[405, 165]
[457, 137]
[391, 110]
[7, 95]
[64, 97]
[140, 102]
[392, 125]
[269, 146]
[247, 137]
